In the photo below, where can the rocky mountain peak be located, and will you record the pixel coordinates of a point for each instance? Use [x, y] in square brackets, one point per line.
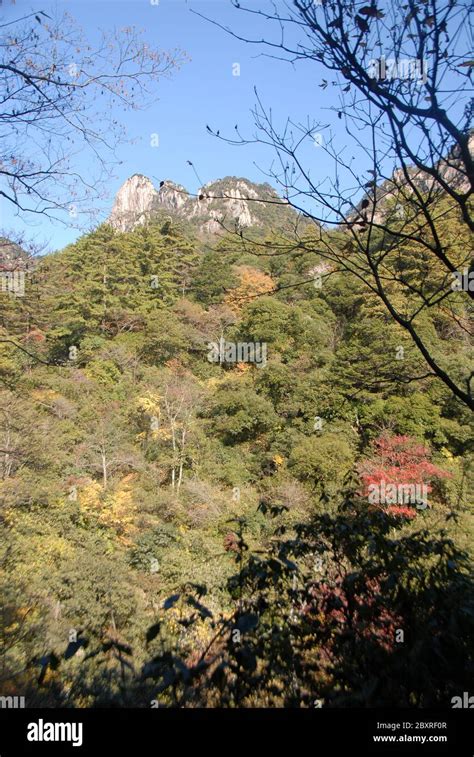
[133, 203]
[233, 202]
[172, 196]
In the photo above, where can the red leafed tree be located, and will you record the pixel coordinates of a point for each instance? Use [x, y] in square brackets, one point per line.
[400, 460]
[339, 605]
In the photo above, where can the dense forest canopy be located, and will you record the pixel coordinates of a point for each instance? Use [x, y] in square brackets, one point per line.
[134, 469]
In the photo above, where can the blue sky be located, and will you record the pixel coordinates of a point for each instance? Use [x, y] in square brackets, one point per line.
[203, 91]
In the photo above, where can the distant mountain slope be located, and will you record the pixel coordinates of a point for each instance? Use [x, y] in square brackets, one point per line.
[235, 203]
[388, 192]
[13, 256]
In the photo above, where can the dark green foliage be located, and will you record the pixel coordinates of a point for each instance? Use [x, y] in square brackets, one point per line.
[345, 611]
[136, 475]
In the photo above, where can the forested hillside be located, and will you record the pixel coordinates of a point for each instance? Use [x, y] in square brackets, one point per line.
[193, 430]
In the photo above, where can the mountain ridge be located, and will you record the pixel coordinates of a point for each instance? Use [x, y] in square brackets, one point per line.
[231, 201]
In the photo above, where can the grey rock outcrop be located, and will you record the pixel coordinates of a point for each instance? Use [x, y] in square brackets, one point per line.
[232, 202]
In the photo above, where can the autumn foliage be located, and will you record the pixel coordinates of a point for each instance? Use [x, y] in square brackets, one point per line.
[400, 460]
[252, 283]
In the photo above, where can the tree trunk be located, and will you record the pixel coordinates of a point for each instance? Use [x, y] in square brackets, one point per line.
[104, 471]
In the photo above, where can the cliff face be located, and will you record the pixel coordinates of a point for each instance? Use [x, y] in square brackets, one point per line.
[133, 203]
[232, 202]
[388, 190]
[171, 196]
